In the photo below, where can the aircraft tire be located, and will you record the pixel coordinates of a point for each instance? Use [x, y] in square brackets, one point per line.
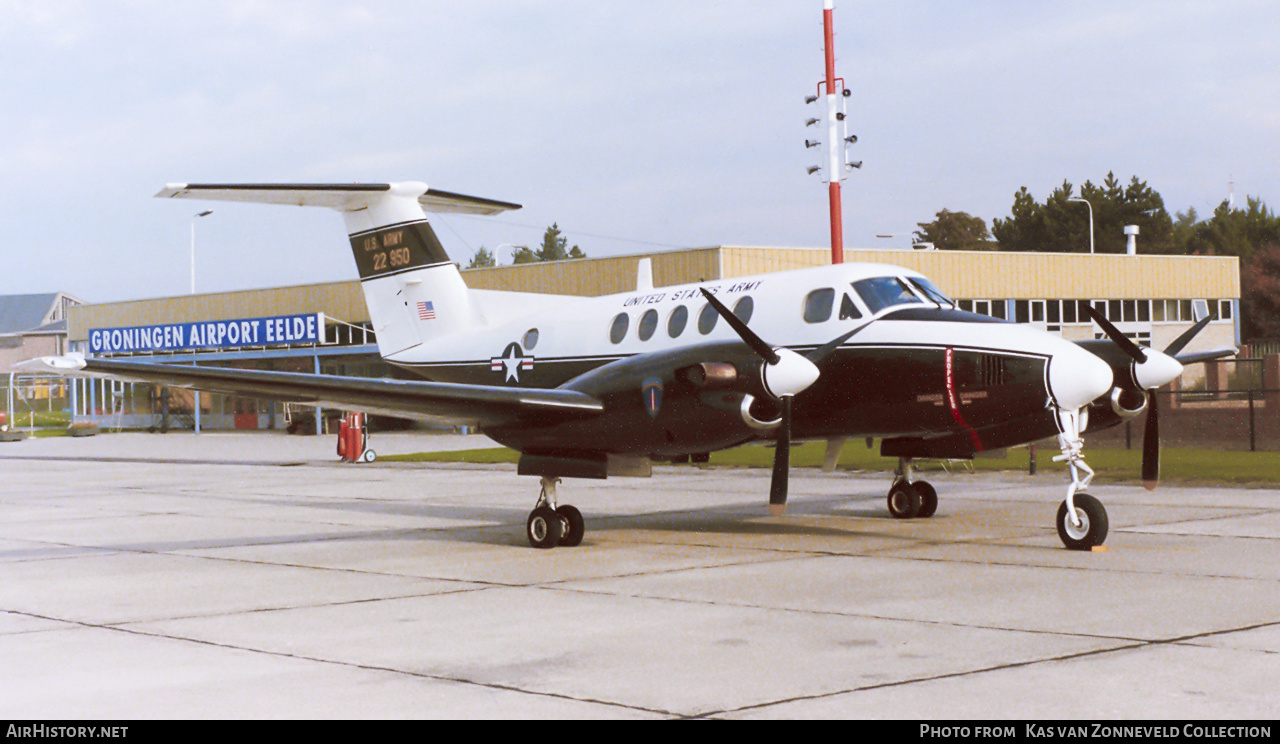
[544, 528]
[1093, 523]
[574, 527]
[904, 501]
[928, 499]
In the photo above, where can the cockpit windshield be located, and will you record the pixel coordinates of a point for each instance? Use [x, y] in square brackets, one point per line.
[885, 291]
[932, 292]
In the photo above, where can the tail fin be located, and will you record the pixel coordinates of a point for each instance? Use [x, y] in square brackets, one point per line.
[414, 292]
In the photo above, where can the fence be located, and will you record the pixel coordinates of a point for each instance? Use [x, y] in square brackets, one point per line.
[1226, 404]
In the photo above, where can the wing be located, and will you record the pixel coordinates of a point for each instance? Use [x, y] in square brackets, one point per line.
[482, 405]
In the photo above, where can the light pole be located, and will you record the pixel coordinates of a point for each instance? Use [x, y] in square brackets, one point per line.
[195, 398]
[205, 213]
[1090, 206]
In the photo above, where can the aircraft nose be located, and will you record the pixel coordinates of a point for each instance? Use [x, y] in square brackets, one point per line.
[1077, 377]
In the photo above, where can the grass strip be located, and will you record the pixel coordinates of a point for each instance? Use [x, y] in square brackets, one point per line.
[1178, 465]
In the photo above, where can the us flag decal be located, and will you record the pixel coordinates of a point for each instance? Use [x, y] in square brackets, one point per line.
[426, 311]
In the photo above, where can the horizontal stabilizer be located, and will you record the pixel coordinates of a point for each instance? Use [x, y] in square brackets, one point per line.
[342, 197]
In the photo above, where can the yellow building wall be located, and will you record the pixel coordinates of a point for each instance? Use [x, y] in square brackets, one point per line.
[961, 274]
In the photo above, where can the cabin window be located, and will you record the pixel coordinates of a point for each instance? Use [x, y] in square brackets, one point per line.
[707, 319]
[885, 291]
[618, 330]
[530, 339]
[744, 308]
[678, 320]
[818, 304]
[648, 324]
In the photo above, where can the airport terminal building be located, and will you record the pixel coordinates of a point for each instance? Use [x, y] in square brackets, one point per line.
[325, 328]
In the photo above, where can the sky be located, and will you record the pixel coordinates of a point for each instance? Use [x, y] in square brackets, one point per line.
[634, 126]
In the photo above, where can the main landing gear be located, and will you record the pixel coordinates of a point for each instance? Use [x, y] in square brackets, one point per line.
[909, 498]
[550, 525]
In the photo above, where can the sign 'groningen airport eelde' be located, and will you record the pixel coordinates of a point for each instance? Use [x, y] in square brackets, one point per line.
[280, 330]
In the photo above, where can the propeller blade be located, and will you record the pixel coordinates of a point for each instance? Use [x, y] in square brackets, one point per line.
[818, 355]
[781, 462]
[1181, 341]
[1128, 347]
[1205, 356]
[757, 344]
[1151, 445]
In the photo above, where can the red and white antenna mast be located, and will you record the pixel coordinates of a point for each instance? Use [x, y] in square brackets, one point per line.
[832, 94]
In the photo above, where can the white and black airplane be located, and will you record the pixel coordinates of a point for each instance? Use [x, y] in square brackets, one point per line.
[588, 387]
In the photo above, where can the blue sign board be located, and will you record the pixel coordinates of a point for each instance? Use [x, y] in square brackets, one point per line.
[280, 330]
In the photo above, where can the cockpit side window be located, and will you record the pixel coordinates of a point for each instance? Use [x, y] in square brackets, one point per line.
[849, 309]
[885, 291]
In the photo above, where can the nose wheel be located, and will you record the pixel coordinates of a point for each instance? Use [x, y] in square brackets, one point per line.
[1089, 528]
[549, 525]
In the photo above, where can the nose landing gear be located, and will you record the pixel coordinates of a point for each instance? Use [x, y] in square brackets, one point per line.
[1082, 519]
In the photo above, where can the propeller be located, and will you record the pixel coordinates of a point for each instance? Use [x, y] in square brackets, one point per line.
[1150, 370]
[784, 375]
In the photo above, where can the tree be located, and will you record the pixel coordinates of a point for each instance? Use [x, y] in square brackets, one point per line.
[1260, 293]
[1231, 232]
[1062, 225]
[553, 246]
[956, 231]
[482, 259]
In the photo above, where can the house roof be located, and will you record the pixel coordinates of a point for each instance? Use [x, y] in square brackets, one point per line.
[19, 313]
